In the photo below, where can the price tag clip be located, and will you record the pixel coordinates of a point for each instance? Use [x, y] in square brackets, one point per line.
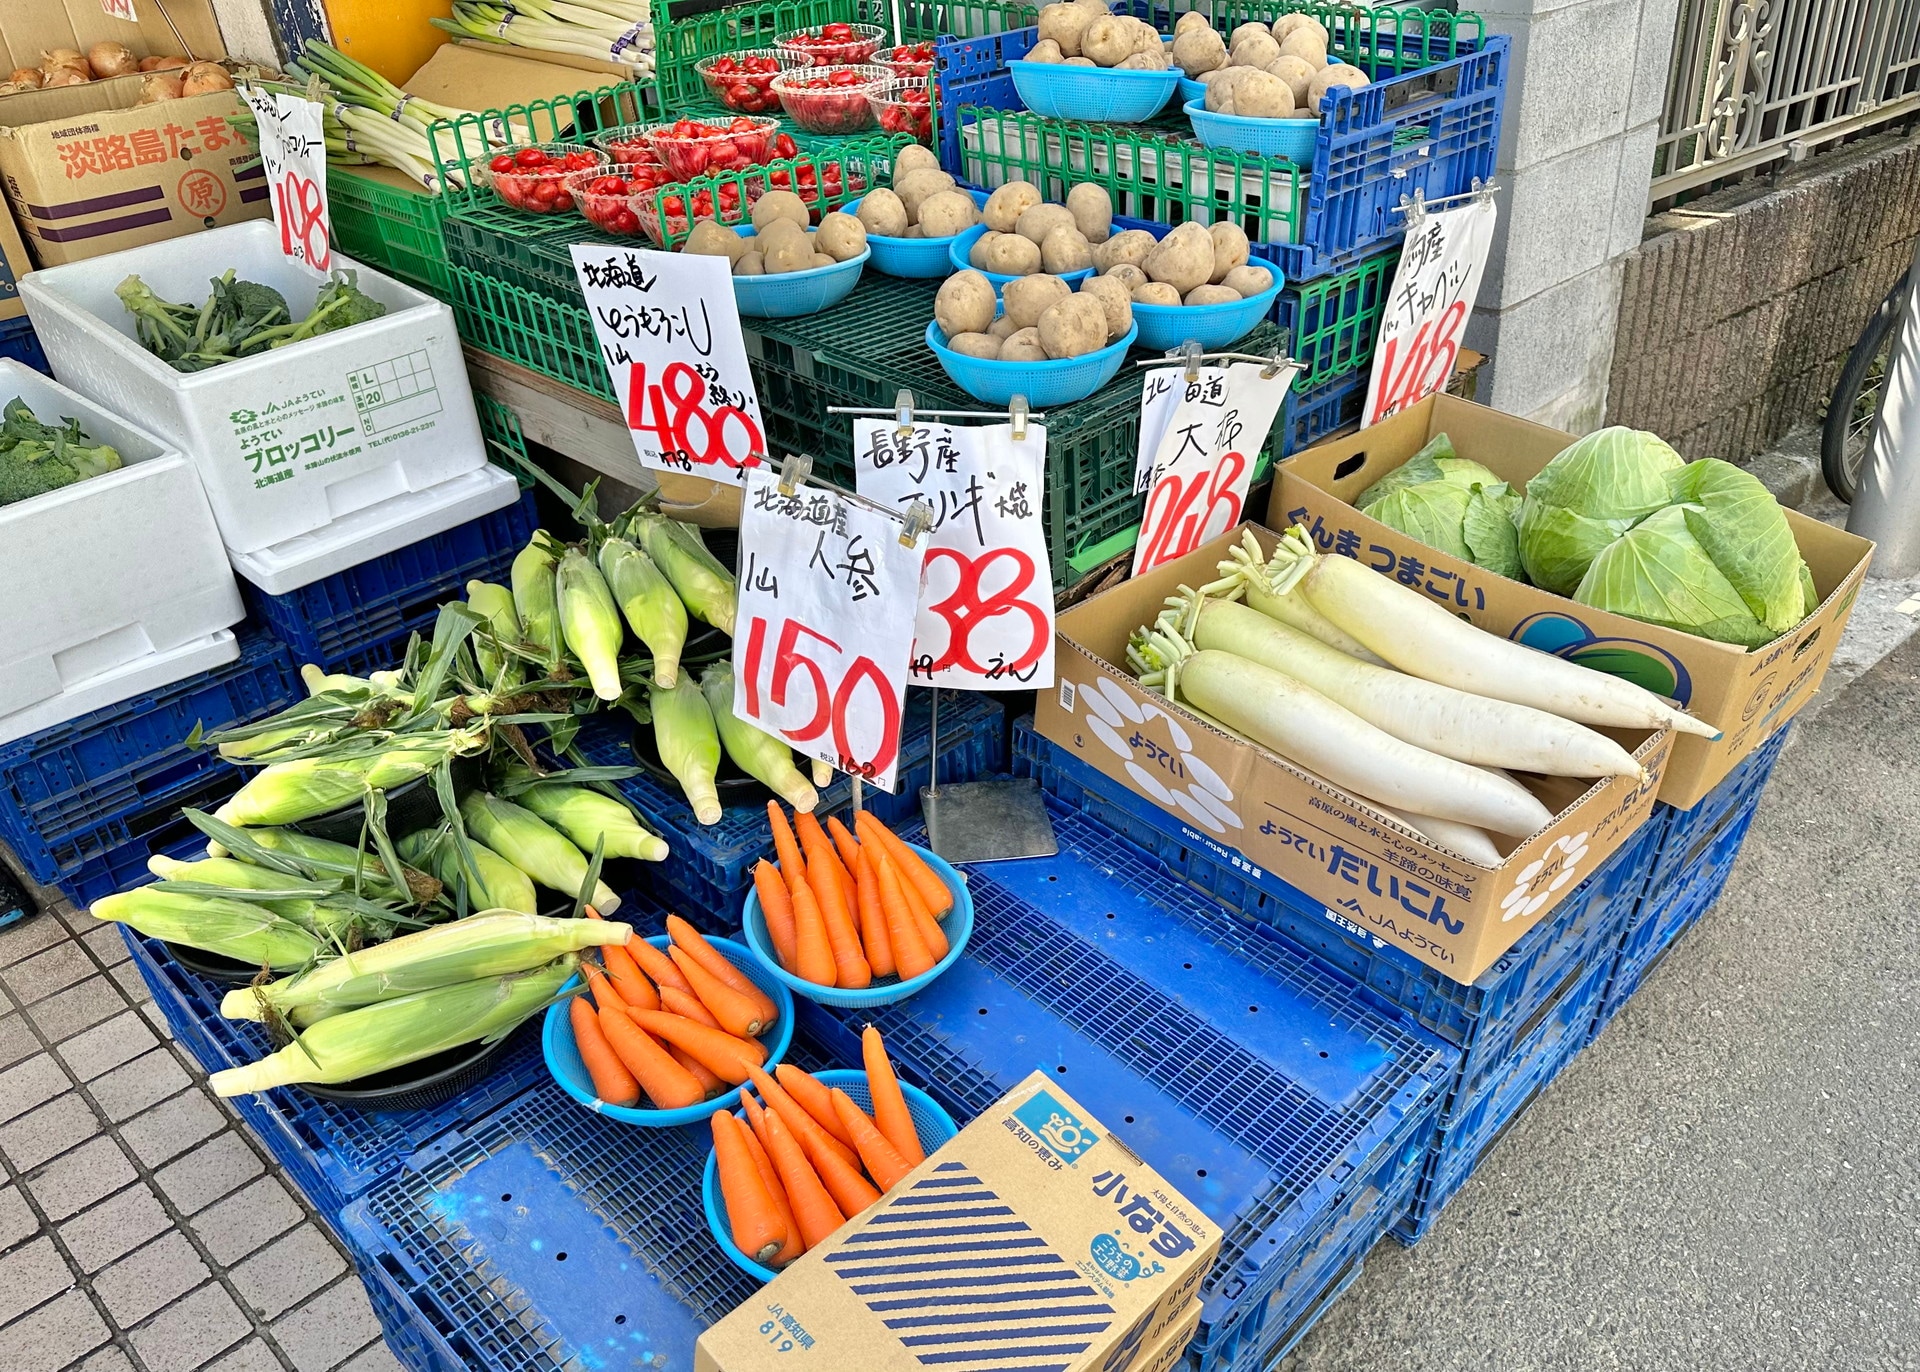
[794, 472]
[1189, 357]
[915, 523]
[1416, 207]
[905, 415]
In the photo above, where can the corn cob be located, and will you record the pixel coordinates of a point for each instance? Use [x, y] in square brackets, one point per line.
[377, 1038]
[588, 817]
[232, 928]
[688, 744]
[311, 912]
[706, 587]
[492, 883]
[484, 945]
[759, 754]
[653, 608]
[339, 860]
[590, 621]
[496, 604]
[284, 792]
[534, 597]
[534, 846]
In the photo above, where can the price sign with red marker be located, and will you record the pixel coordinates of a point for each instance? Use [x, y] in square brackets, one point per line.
[669, 332]
[985, 620]
[1434, 288]
[293, 152]
[825, 626]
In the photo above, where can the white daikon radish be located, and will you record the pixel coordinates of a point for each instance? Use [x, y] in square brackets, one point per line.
[1419, 637]
[1465, 840]
[1291, 610]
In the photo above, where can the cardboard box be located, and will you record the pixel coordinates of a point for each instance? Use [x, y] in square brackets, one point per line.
[1388, 882]
[1167, 1352]
[1746, 695]
[14, 264]
[1035, 1176]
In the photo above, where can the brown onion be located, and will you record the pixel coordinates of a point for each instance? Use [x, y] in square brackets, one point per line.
[204, 78]
[64, 76]
[29, 77]
[112, 59]
[159, 86]
[63, 57]
[162, 63]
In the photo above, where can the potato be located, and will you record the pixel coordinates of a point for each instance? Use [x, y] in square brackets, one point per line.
[1198, 49]
[1152, 60]
[709, 239]
[1116, 299]
[1028, 298]
[1126, 274]
[946, 213]
[1046, 50]
[1023, 345]
[1221, 85]
[883, 212]
[1073, 327]
[1249, 280]
[841, 237]
[1211, 295]
[1079, 62]
[1255, 51]
[917, 185]
[1003, 328]
[750, 264]
[1065, 250]
[1262, 95]
[1108, 40]
[820, 259]
[1066, 25]
[1008, 203]
[1146, 38]
[914, 231]
[1155, 293]
[1183, 259]
[1040, 220]
[1092, 210]
[977, 254]
[1013, 255]
[1297, 72]
[1305, 44]
[1336, 74]
[1287, 23]
[975, 345]
[1241, 32]
[1229, 248]
[775, 205]
[913, 157]
[964, 304]
[787, 253]
[1190, 21]
[1131, 246]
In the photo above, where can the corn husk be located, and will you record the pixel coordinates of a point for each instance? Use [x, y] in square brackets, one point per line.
[232, 928]
[340, 860]
[535, 599]
[286, 792]
[653, 608]
[491, 883]
[503, 621]
[689, 744]
[534, 846]
[754, 751]
[588, 817]
[590, 621]
[703, 585]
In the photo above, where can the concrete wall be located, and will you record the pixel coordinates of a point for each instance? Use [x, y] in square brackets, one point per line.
[1737, 311]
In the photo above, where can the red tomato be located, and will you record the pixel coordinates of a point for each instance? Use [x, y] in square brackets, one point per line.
[530, 157]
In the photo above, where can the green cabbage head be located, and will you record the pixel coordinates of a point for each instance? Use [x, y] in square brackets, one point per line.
[1595, 490]
[1450, 503]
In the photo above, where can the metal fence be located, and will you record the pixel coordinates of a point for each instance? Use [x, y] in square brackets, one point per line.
[1756, 81]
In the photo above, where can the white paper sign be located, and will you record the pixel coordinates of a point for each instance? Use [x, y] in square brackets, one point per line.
[669, 332]
[1434, 288]
[985, 619]
[119, 9]
[293, 151]
[825, 625]
[1207, 435]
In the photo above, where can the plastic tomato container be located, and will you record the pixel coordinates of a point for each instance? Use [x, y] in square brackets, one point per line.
[903, 106]
[607, 198]
[833, 45]
[908, 60]
[535, 178]
[830, 99]
[662, 216]
[743, 81]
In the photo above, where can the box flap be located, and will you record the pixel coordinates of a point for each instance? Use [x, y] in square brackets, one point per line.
[474, 78]
[29, 28]
[613, 71]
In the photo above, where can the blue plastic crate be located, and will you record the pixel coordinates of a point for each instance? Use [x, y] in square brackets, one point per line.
[415, 1344]
[114, 855]
[18, 340]
[1259, 1082]
[125, 866]
[711, 865]
[1484, 1019]
[385, 599]
[1684, 833]
[1309, 416]
[64, 783]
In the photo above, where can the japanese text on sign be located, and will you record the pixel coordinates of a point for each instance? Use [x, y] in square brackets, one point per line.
[293, 151]
[985, 619]
[1434, 288]
[112, 152]
[670, 334]
[1450, 588]
[825, 624]
[1200, 435]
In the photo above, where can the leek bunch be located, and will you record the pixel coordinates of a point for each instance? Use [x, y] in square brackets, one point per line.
[606, 30]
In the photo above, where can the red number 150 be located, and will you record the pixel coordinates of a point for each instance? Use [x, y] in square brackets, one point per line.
[830, 705]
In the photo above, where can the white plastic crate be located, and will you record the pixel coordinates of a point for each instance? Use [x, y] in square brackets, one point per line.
[109, 571]
[289, 441]
[148, 672]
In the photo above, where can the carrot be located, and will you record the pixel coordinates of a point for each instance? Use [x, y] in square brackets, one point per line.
[911, 955]
[776, 907]
[657, 965]
[883, 1161]
[677, 1002]
[813, 1209]
[873, 921]
[758, 1230]
[728, 1058]
[737, 1014]
[813, 955]
[850, 1191]
[761, 1161]
[846, 845]
[597, 982]
[693, 943]
[786, 847]
[667, 1084]
[627, 979]
[798, 1120]
[814, 1098]
[612, 1082]
[889, 1105]
[711, 1087]
[817, 847]
[912, 867]
[930, 931]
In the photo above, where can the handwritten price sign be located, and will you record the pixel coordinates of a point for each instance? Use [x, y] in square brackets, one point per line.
[825, 625]
[1434, 288]
[293, 152]
[985, 619]
[1199, 439]
[670, 334]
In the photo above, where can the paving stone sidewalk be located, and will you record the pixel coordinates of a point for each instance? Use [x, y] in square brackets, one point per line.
[141, 1227]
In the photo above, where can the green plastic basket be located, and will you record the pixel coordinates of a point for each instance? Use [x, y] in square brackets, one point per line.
[506, 444]
[394, 228]
[562, 118]
[1335, 319]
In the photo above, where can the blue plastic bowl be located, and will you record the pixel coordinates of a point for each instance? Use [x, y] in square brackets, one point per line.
[934, 1125]
[787, 294]
[1291, 139]
[563, 1056]
[957, 926]
[1042, 383]
[1211, 326]
[1102, 95]
[1191, 90]
[962, 244]
[921, 258]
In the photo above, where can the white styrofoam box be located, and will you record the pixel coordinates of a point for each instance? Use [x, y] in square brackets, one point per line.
[384, 528]
[108, 570]
[129, 679]
[292, 439]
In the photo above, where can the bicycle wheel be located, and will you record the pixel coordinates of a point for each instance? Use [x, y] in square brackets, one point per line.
[1856, 398]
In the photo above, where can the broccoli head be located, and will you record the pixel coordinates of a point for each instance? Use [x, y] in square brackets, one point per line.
[36, 458]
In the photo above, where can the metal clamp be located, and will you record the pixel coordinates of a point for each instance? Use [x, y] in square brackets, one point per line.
[794, 472]
[903, 412]
[917, 520]
[1189, 356]
[1416, 207]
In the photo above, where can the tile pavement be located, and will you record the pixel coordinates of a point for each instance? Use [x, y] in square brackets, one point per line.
[141, 1228]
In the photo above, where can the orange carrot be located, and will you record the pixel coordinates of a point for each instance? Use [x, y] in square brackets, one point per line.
[776, 907]
[627, 979]
[657, 965]
[737, 1014]
[667, 1084]
[693, 943]
[912, 867]
[817, 847]
[677, 1002]
[845, 844]
[883, 1161]
[850, 1191]
[911, 955]
[761, 1161]
[597, 982]
[798, 1120]
[813, 1209]
[889, 1105]
[711, 1087]
[786, 848]
[612, 1082]
[930, 930]
[813, 955]
[873, 920]
[728, 1058]
[814, 1098]
[758, 1230]
[850, 964]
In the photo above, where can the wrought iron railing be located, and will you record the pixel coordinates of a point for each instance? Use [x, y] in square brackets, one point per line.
[1758, 81]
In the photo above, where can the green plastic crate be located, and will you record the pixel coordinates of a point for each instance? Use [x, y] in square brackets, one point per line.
[529, 328]
[390, 227]
[1335, 319]
[562, 118]
[506, 444]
